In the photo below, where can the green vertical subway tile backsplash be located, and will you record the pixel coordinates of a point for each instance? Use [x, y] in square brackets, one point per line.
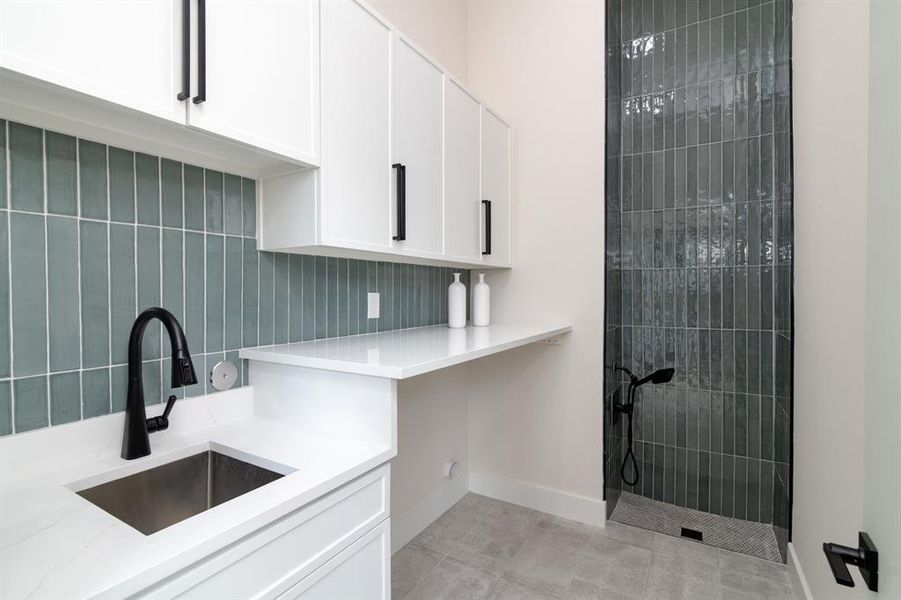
[148, 258]
[93, 179]
[250, 305]
[62, 174]
[173, 275]
[65, 397]
[95, 309]
[5, 355]
[213, 200]
[6, 410]
[295, 308]
[267, 298]
[26, 166]
[28, 294]
[171, 193]
[234, 265]
[283, 298]
[215, 288]
[62, 293]
[121, 185]
[195, 286]
[122, 283]
[95, 392]
[308, 297]
[232, 206]
[147, 189]
[122, 231]
[3, 153]
[30, 403]
[194, 198]
[249, 206]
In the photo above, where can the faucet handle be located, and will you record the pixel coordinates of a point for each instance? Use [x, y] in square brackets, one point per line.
[161, 423]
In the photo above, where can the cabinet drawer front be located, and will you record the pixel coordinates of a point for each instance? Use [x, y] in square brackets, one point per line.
[361, 572]
[271, 560]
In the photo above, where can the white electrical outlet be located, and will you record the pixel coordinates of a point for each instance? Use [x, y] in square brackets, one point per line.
[373, 305]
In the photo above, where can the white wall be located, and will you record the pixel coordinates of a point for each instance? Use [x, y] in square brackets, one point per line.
[535, 414]
[436, 26]
[830, 154]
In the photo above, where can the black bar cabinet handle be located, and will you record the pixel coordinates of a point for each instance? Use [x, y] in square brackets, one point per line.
[487, 204]
[401, 171]
[201, 52]
[185, 50]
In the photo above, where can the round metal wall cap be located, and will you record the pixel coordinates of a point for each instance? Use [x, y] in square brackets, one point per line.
[224, 375]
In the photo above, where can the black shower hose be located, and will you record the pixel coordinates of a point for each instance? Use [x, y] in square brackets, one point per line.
[629, 452]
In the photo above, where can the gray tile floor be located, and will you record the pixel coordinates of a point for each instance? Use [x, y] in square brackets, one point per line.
[488, 549]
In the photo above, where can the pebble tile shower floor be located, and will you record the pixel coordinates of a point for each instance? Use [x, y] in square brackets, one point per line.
[487, 549]
[737, 535]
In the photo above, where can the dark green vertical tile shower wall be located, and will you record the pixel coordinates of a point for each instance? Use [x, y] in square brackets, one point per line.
[91, 234]
[699, 260]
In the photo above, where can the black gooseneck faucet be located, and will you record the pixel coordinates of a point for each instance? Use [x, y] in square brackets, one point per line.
[136, 439]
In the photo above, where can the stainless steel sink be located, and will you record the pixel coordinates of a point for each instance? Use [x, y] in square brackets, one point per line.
[162, 496]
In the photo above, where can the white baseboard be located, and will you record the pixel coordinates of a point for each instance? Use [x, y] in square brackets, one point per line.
[796, 573]
[406, 527]
[537, 497]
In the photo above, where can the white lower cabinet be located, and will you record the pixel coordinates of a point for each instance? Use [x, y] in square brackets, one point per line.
[361, 572]
[313, 548]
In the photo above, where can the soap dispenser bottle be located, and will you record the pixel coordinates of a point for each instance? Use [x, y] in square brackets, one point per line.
[456, 303]
[481, 303]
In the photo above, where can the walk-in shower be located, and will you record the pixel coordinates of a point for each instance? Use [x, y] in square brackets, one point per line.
[698, 269]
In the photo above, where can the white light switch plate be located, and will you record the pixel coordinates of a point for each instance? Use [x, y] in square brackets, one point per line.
[373, 305]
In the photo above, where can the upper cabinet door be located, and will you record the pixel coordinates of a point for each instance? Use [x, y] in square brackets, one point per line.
[417, 145]
[356, 159]
[261, 80]
[128, 53]
[496, 210]
[461, 174]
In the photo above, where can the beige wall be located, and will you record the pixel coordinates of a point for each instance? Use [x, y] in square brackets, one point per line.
[535, 414]
[436, 26]
[830, 154]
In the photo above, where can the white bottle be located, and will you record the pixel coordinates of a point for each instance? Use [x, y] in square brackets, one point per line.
[456, 303]
[481, 303]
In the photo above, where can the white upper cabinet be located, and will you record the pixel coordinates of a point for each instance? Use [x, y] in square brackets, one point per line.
[127, 53]
[461, 174]
[417, 152]
[356, 115]
[496, 208]
[151, 73]
[257, 81]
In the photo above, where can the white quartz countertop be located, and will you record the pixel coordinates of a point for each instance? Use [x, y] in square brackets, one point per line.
[55, 544]
[406, 352]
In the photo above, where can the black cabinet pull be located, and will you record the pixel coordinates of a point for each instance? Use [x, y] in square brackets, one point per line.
[487, 204]
[201, 52]
[401, 172]
[185, 50]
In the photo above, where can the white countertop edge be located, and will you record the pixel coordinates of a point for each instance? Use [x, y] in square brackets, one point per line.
[279, 354]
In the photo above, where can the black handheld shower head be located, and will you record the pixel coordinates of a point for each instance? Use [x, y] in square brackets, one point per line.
[658, 376]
